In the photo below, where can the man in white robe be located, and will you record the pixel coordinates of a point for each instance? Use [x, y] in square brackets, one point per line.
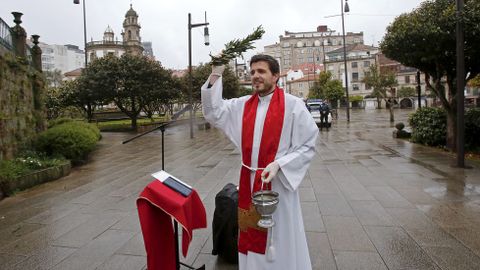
[296, 148]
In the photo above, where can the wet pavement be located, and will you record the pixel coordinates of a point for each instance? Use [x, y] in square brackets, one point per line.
[369, 202]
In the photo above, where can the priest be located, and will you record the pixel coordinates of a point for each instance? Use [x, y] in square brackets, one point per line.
[276, 136]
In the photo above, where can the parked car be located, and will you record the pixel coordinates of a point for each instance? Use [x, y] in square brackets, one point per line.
[314, 106]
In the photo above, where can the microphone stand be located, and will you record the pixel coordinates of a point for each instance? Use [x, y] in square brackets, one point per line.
[162, 128]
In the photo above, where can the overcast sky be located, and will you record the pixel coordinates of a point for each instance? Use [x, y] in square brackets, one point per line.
[164, 23]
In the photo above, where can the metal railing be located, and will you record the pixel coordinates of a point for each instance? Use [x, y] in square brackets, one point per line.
[104, 42]
[6, 36]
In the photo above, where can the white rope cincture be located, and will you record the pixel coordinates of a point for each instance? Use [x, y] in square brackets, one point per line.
[252, 169]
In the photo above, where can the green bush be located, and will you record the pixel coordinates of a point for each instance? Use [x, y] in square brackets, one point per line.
[27, 162]
[472, 129]
[356, 98]
[59, 121]
[92, 127]
[72, 140]
[429, 126]
[400, 125]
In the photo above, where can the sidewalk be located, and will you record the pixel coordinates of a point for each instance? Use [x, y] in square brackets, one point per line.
[369, 202]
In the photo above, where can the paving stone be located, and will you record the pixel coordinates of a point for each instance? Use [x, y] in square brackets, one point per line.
[388, 197]
[397, 249]
[88, 231]
[346, 234]
[372, 213]
[312, 220]
[359, 260]
[8, 260]
[457, 258]
[96, 252]
[321, 254]
[45, 258]
[333, 205]
[123, 262]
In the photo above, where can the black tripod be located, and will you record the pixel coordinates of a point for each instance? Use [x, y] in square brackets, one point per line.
[162, 128]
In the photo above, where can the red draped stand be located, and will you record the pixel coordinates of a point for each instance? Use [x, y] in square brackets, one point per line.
[160, 209]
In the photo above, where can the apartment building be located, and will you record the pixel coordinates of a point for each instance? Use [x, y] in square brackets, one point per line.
[61, 57]
[306, 50]
[359, 59]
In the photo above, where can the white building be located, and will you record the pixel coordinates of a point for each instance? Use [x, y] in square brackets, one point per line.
[110, 45]
[61, 57]
[359, 59]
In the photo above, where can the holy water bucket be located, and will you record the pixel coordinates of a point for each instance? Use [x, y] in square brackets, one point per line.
[265, 202]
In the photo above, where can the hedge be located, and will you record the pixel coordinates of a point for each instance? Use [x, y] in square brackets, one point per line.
[72, 140]
[429, 126]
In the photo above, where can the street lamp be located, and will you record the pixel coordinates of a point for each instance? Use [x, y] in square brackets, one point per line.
[84, 28]
[419, 89]
[190, 79]
[460, 86]
[345, 8]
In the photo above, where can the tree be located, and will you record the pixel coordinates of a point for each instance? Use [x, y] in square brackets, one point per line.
[382, 84]
[406, 92]
[326, 88]
[231, 87]
[162, 97]
[475, 82]
[425, 39]
[131, 82]
[53, 102]
[95, 86]
[54, 78]
[79, 95]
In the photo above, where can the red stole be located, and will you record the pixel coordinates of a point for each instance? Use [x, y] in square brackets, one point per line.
[251, 237]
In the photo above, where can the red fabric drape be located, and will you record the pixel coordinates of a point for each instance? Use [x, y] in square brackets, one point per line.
[157, 205]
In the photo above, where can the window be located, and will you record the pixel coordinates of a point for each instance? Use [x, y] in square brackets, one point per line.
[366, 63]
[310, 59]
[355, 77]
[354, 64]
[355, 87]
[407, 79]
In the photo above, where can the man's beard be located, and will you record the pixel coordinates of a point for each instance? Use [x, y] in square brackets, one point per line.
[267, 87]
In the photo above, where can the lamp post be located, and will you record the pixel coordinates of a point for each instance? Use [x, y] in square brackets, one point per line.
[419, 89]
[84, 29]
[190, 79]
[345, 8]
[460, 86]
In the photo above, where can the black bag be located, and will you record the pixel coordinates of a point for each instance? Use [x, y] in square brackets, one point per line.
[225, 224]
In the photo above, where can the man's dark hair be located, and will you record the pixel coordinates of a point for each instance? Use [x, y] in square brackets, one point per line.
[272, 63]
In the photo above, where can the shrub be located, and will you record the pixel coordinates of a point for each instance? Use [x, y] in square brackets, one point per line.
[429, 126]
[27, 162]
[72, 140]
[472, 129]
[356, 98]
[400, 125]
[59, 121]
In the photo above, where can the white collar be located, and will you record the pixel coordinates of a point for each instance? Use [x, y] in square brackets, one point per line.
[266, 98]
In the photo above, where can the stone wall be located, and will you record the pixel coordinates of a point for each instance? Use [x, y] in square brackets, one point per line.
[21, 106]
